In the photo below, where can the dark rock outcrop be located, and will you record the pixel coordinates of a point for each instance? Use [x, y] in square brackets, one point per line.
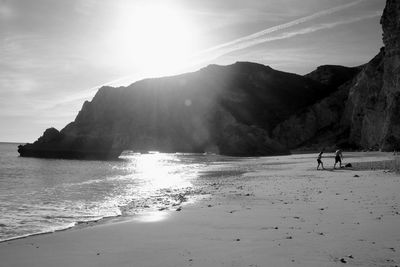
[333, 75]
[229, 110]
[319, 124]
[53, 144]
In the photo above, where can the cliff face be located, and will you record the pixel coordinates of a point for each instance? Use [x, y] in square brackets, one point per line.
[365, 106]
[228, 110]
[319, 124]
[373, 109]
[391, 78]
[365, 111]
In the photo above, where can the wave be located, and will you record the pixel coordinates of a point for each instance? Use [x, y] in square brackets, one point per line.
[48, 231]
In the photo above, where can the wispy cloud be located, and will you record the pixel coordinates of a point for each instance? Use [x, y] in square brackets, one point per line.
[263, 36]
[290, 34]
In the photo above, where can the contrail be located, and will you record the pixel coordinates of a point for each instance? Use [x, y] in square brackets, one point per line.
[288, 34]
[282, 26]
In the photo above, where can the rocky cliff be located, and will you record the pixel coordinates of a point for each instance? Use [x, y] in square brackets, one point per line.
[244, 109]
[391, 78]
[319, 124]
[224, 109]
[373, 109]
[364, 113]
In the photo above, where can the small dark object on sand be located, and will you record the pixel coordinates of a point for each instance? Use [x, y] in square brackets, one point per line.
[356, 175]
[343, 260]
[348, 165]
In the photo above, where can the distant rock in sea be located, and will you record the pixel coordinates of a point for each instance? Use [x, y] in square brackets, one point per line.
[244, 109]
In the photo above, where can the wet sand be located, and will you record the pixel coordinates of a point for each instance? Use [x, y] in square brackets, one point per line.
[281, 212]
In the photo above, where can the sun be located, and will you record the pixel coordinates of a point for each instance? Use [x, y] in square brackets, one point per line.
[155, 37]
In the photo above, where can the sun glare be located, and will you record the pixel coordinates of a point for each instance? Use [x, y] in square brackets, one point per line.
[159, 171]
[156, 37]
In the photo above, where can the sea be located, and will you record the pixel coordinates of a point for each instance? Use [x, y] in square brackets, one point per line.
[46, 195]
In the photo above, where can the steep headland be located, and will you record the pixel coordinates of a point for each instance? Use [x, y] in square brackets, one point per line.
[223, 109]
[244, 109]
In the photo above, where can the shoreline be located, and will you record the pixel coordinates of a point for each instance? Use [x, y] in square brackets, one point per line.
[272, 215]
[357, 166]
[143, 211]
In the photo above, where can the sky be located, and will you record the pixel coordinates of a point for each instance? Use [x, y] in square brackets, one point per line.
[55, 54]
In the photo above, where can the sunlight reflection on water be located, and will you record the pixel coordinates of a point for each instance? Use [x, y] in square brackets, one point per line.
[161, 171]
[161, 181]
[68, 192]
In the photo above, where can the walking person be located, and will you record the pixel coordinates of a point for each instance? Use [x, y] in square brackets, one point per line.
[319, 160]
[338, 158]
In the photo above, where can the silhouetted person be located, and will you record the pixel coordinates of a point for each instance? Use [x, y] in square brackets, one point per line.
[338, 158]
[319, 160]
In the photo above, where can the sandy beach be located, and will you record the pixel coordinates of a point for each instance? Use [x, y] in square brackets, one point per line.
[273, 215]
